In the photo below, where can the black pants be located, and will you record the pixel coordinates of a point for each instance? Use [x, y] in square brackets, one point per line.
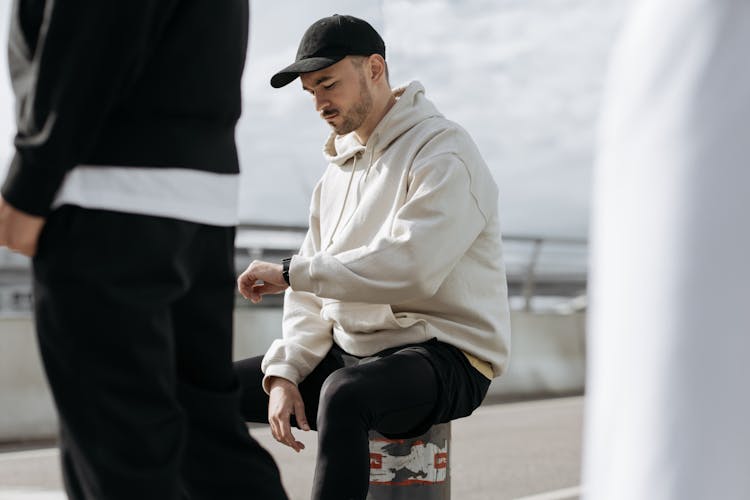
[400, 392]
[134, 318]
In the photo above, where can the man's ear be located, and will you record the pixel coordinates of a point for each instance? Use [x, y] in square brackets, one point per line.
[376, 65]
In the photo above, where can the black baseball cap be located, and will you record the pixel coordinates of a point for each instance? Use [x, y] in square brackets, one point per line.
[328, 41]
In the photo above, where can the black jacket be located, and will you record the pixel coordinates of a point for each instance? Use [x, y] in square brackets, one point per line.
[147, 83]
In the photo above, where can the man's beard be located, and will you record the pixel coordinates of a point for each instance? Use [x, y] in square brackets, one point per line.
[359, 112]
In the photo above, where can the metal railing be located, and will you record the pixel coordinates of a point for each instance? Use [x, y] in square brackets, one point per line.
[535, 265]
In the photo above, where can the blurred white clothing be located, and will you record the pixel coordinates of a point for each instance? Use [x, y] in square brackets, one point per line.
[668, 403]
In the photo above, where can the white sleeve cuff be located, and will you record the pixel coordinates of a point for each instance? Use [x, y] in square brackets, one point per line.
[299, 274]
[284, 371]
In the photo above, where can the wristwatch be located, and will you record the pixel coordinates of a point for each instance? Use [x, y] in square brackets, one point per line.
[285, 272]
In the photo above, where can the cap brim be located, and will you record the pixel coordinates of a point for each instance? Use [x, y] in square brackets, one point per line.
[288, 74]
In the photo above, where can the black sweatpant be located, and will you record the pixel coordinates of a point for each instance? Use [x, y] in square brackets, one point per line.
[399, 392]
[134, 319]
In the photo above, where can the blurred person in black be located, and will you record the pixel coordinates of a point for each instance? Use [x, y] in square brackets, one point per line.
[123, 188]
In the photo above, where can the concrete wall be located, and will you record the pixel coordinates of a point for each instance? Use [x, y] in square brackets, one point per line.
[547, 360]
[547, 357]
[26, 409]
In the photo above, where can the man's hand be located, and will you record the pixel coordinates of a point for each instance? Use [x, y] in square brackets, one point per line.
[285, 400]
[268, 273]
[19, 231]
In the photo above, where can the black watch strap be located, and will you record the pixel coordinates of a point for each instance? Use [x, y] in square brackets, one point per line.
[285, 272]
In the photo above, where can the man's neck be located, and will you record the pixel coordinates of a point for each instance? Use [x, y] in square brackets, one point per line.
[364, 132]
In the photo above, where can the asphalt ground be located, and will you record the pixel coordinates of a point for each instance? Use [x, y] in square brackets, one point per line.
[510, 451]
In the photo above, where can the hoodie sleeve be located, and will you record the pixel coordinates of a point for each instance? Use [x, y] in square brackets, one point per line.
[306, 338]
[432, 231]
[67, 76]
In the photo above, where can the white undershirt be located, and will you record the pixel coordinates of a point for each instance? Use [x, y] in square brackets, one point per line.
[179, 193]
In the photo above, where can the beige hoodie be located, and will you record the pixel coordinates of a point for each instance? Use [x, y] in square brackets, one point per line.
[404, 245]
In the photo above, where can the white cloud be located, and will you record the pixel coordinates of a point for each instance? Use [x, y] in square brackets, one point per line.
[524, 77]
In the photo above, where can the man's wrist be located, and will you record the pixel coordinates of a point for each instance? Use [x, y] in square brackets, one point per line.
[274, 381]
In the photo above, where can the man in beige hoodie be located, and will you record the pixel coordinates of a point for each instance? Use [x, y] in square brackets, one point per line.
[396, 313]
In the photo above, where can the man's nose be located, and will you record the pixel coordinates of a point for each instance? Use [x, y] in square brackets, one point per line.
[321, 103]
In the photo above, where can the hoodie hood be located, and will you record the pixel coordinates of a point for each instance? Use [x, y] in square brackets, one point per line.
[411, 108]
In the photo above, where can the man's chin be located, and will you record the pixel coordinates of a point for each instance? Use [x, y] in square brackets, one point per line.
[341, 130]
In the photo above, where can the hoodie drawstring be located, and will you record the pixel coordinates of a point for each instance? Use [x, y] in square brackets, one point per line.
[362, 180]
[343, 205]
[372, 155]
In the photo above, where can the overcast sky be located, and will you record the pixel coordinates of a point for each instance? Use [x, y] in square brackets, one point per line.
[523, 77]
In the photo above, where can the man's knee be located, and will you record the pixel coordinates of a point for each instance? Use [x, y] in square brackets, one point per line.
[343, 392]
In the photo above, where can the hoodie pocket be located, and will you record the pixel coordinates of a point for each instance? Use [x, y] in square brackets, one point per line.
[357, 317]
